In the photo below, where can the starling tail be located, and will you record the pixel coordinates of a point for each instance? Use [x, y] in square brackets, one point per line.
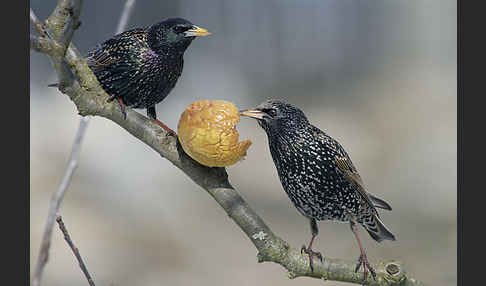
[378, 230]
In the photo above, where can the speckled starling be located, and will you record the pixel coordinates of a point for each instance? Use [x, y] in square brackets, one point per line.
[139, 67]
[318, 175]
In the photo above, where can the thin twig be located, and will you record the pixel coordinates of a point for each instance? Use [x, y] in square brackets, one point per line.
[73, 9]
[73, 160]
[55, 204]
[125, 16]
[75, 250]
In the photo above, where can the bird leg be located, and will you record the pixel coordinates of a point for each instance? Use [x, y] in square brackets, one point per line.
[309, 250]
[122, 104]
[362, 260]
[153, 115]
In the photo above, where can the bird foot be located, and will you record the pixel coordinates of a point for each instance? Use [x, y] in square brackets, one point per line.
[363, 261]
[122, 104]
[165, 127]
[311, 254]
[110, 99]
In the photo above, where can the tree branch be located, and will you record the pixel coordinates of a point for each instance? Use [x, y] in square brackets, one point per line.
[90, 99]
[75, 250]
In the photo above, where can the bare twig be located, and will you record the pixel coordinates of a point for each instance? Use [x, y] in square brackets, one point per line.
[90, 99]
[72, 22]
[75, 250]
[37, 44]
[54, 208]
[125, 16]
[65, 15]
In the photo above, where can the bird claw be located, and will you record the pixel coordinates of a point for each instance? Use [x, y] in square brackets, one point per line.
[311, 253]
[122, 104]
[124, 113]
[362, 260]
[358, 265]
[172, 133]
[111, 98]
[169, 131]
[373, 272]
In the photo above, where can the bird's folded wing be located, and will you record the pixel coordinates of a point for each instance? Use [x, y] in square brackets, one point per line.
[110, 51]
[379, 203]
[100, 59]
[345, 165]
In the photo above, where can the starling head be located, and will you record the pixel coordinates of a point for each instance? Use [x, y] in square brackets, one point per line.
[277, 116]
[173, 35]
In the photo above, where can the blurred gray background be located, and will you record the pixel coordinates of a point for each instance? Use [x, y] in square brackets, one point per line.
[379, 76]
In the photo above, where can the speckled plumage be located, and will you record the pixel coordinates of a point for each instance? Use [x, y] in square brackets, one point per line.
[141, 66]
[316, 172]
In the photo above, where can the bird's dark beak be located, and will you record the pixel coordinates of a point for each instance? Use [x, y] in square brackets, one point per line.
[196, 31]
[253, 113]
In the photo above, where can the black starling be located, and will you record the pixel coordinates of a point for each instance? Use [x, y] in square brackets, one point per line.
[139, 67]
[318, 175]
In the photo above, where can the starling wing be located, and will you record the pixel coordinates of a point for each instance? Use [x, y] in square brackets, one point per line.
[117, 63]
[345, 165]
[111, 51]
[373, 224]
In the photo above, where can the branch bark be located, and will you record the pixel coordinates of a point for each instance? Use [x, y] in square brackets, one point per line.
[91, 100]
[41, 45]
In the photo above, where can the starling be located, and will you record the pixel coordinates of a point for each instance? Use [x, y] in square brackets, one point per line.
[139, 67]
[318, 176]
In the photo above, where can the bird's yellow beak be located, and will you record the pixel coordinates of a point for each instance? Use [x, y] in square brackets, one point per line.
[253, 113]
[196, 31]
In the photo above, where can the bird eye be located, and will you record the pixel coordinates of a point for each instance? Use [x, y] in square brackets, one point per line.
[180, 29]
[272, 112]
